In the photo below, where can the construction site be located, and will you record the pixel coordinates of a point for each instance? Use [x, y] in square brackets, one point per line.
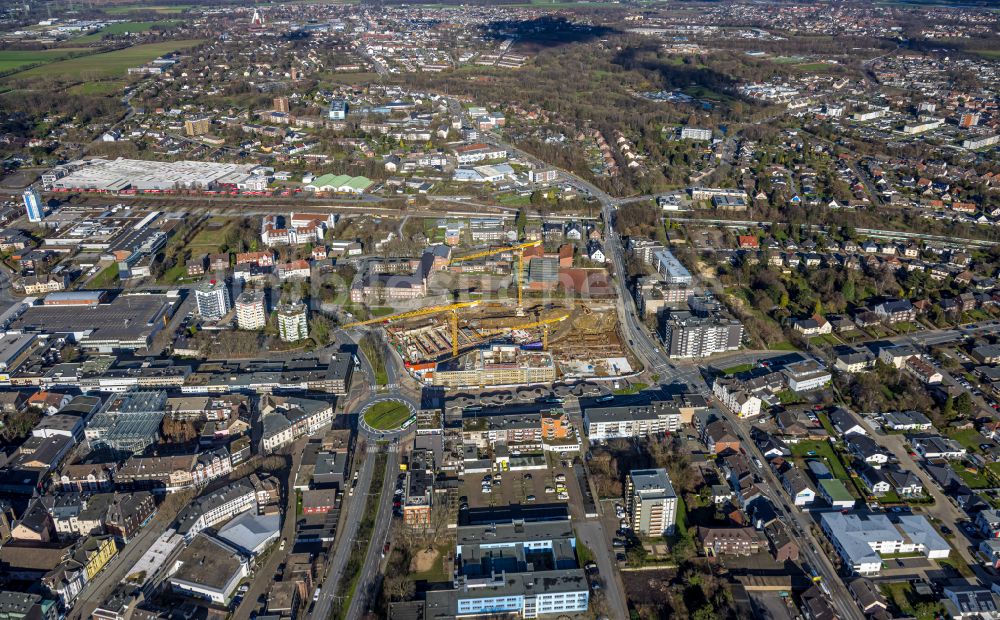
[478, 342]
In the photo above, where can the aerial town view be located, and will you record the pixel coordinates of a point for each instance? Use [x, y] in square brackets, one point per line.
[499, 309]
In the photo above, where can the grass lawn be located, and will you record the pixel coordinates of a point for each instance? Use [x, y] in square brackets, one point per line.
[852, 334]
[387, 415]
[784, 345]
[994, 469]
[209, 238]
[732, 370]
[815, 66]
[970, 438]
[380, 310]
[125, 28]
[109, 64]
[890, 498]
[788, 397]
[974, 481]
[634, 388]
[905, 327]
[12, 59]
[131, 8]
[902, 597]
[825, 421]
[514, 200]
[823, 451]
[356, 77]
[108, 278]
[824, 339]
[958, 564]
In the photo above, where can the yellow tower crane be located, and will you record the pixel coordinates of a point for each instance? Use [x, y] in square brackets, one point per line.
[519, 249]
[544, 324]
[414, 313]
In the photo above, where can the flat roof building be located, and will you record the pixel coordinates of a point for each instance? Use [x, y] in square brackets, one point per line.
[650, 502]
[209, 569]
[669, 268]
[127, 423]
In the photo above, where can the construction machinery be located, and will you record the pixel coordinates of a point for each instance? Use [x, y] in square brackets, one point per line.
[544, 324]
[519, 250]
[451, 308]
[414, 314]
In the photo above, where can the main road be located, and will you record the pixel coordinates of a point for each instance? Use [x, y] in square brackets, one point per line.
[657, 363]
[370, 578]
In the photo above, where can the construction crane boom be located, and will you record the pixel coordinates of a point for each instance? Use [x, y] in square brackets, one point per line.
[541, 323]
[414, 313]
[521, 247]
[544, 324]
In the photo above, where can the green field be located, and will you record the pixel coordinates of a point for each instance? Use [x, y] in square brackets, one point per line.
[387, 415]
[815, 66]
[209, 239]
[105, 279]
[12, 59]
[126, 28]
[970, 438]
[161, 8]
[823, 452]
[973, 481]
[109, 64]
[733, 370]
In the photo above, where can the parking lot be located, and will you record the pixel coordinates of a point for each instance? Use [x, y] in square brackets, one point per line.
[518, 487]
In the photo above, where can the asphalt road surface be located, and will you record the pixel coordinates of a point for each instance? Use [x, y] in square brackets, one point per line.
[371, 570]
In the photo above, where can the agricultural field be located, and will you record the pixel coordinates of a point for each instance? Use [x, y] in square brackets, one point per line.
[109, 64]
[126, 28]
[14, 59]
[132, 8]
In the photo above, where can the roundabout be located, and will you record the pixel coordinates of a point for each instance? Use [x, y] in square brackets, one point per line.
[386, 415]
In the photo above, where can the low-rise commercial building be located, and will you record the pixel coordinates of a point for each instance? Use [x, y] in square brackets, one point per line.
[209, 569]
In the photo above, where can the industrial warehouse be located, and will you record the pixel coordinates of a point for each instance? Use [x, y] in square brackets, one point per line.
[132, 174]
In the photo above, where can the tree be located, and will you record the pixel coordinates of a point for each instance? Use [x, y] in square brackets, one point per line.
[948, 408]
[963, 405]
[848, 290]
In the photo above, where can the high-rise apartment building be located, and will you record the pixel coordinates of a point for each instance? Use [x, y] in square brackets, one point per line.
[293, 322]
[251, 312]
[33, 205]
[650, 502]
[212, 299]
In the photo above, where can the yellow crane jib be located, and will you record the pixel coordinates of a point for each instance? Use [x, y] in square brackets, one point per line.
[413, 314]
[519, 249]
[493, 251]
[544, 324]
[541, 323]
